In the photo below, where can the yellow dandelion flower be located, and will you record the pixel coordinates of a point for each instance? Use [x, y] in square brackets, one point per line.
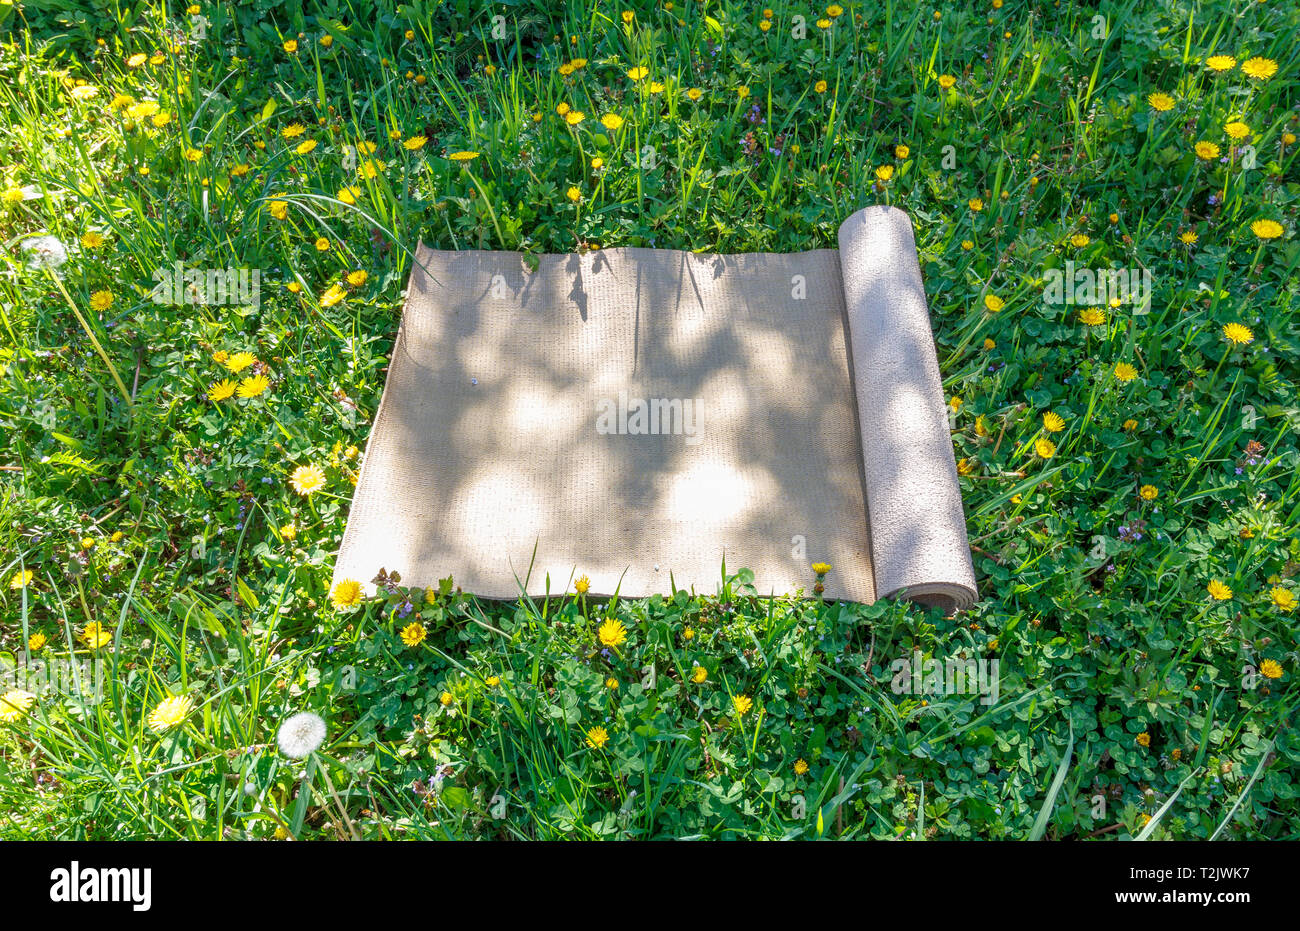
[1259, 68]
[800, 767]
[20, 579]
[1270, 669]
[1092, 316]
[638, 73]
[462, 156]
[14, 705]
[946, 81]
[95, 635]
[821, 568]
[574, 194]
[1266, 229]
[240, 361]
[346, 594]
[253, 385]
[291, 45]
[220, 390]
[1044, 447]
[597, 737]
[1053, 422]
[1218, 591]
[357, 278]
[1148, 492]
[305, 146]
[885, 172]
[413, 634]
[1125, 372]
[993, 303]
[1237, 130]
[333, 294]
[307, 479]
[1237, 334]
[279, 209]
[741, 705]
[611, 121]
[349, 195]
[415, 143]
[1220, 63]
[699, 675]
[612, 633]
[36, 642]
[1161, 103]
[582, 585]
[1283, 598]
[170, 712]
[101, 300]
[1206, 150]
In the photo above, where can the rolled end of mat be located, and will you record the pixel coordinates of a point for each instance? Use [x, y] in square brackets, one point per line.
[918, 530]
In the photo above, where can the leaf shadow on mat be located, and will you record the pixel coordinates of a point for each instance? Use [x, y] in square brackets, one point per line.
[487, 441]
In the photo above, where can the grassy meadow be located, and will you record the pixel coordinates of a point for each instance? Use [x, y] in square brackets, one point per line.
[208, 217]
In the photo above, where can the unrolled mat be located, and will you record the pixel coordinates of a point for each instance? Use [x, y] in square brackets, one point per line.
[632, 415]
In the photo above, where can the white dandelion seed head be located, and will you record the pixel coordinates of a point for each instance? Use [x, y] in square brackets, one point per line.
[44, 252]
[301, 734]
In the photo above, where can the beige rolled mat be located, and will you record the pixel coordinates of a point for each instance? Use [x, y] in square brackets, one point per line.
[638, 415]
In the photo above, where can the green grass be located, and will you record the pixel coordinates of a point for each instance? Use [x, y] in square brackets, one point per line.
[1131, 702]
